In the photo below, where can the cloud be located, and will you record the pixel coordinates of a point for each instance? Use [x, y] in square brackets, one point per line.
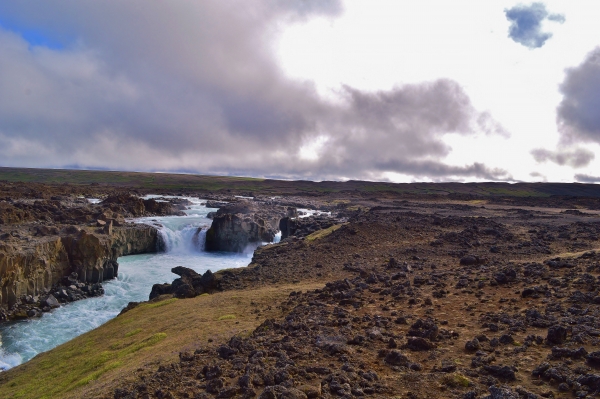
[539, 175]
[195, 86]
[578, 118]
[526, 24]
[583, 178]
[575, 158]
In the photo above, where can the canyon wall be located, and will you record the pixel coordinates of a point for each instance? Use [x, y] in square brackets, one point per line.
[34, 265]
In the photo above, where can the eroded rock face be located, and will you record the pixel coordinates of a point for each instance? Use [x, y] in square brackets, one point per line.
[33, 267]
[243, 223]
[27, 271]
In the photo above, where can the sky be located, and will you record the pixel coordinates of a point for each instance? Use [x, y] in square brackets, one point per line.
[304, 89]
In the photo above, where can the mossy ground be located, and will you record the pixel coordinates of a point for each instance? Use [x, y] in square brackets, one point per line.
[323, 233]
[137, 341]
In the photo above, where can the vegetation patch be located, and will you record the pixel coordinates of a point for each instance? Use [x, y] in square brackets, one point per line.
[134, 332]
[159, 304]
[153, 340]
[227, 317]
[94, 376]
[455, 380]
[317, 235]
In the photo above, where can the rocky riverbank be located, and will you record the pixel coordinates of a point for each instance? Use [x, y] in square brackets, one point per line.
[60, 249]
[33, 269]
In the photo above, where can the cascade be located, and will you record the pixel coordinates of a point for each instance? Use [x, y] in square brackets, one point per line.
[183, 245]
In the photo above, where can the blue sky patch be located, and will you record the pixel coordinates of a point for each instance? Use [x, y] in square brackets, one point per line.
[34, 36]
[526, 24]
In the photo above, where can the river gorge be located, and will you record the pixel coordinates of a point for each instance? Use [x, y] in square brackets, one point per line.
[183, 245]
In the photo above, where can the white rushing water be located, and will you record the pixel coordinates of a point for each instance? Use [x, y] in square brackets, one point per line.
[137, 273]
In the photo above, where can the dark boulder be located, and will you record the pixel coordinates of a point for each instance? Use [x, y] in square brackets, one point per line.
[557, 334]
[472, 260]
[184, 272]
[51, 302]
[419, 344]
[502, 372]
[189, 285]
[181, 289]
[160, 289]
[242, 224]
[472, 345]
[396, 358]
[593, 358]
[424, 328]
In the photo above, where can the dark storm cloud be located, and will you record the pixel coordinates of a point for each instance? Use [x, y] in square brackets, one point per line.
[401, 130]
[526, 24]
[195, 86]
[575, 158]
[583, 178]
[578, 115]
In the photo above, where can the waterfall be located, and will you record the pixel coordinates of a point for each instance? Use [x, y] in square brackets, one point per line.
[182, 241]
[186, 239]
[181, 244]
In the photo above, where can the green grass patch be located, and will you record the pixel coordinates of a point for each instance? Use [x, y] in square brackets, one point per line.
[455, 380]
[94, 376]
[227, 317]
[159, 304]
[134, 332]
[317, 235]
[153, 340]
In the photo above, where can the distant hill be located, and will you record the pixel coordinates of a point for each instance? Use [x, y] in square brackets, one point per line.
[190, 182]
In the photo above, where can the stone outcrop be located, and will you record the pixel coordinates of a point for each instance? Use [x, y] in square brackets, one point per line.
[28, 271]
[33, 267]
[136, 207]
[243, 223]
[301, 227]
[189, 285]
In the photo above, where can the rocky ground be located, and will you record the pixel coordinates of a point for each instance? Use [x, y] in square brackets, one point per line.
[419, 300]
[449, 296]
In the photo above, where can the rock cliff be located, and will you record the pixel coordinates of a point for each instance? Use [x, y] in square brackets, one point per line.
[243, 223]
[45, 238]
[32, 266]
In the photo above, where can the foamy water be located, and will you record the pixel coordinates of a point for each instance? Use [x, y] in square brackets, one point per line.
[137, 273]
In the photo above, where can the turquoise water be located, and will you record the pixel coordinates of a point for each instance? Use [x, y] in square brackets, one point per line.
[137, 273]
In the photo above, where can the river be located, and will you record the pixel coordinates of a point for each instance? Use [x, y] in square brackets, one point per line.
[137, 273]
